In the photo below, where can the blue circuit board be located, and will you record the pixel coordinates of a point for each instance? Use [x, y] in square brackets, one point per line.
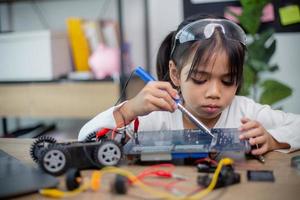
[186, 141]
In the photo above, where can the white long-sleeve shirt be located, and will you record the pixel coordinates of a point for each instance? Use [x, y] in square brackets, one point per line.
[284, 127]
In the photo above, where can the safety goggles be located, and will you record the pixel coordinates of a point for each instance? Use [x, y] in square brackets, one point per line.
[205, 28]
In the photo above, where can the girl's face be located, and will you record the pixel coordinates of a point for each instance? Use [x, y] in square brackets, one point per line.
[209, 90]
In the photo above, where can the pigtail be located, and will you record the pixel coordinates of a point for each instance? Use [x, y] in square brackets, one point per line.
[163, 57]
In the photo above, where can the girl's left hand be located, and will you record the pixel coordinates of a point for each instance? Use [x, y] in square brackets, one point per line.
[257, 135]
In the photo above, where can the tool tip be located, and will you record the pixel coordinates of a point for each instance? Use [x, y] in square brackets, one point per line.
[261, 158]
[210, 134]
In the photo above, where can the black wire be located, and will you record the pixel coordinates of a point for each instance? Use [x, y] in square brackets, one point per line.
[124, 89]
[122, 93]
[165, 76]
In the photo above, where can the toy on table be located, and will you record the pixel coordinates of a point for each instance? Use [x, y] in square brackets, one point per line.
[105, 150]
[56, 158]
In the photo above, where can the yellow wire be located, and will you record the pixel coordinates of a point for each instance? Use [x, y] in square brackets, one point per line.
[201, 194]
[56, 193]
[160, 194]
[136, 181]
[95, 184]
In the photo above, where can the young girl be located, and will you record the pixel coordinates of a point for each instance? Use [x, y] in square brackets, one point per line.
[202, 63]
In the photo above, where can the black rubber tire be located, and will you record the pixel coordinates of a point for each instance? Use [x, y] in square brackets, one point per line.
[55, 160]
[91, 137]
[72, 176]
[108, 153]
[39, 145]
[120, 185]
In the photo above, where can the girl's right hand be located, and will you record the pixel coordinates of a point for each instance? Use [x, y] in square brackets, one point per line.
[155, 96]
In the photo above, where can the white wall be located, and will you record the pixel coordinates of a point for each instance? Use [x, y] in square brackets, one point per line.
[28, 15]
[287, 56]
[134, 30]
[165, 16]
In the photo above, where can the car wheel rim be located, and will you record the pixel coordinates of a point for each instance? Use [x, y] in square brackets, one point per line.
[109, 154]
[54, 161]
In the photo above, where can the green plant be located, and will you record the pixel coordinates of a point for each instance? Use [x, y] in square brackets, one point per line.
[260, 49]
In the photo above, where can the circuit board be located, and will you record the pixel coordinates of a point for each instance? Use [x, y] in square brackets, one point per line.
[228, 140]
[186, 141]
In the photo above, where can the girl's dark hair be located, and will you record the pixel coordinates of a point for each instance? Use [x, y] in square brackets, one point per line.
[202, 51]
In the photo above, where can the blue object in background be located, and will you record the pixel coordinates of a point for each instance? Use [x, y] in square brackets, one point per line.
[146, 77]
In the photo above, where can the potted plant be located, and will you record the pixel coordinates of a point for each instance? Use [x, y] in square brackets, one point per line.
[260, 49]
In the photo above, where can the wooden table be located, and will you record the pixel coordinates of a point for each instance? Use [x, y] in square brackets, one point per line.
[286, 185]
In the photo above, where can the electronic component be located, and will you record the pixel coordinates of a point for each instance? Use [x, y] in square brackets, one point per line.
[206, 165]
[206, 168]
[260, 175]
[185, 143]
[226, 177]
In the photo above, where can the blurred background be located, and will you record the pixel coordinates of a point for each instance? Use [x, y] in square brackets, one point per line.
[64, 61]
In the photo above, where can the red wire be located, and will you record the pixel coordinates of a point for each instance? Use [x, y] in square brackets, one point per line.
[155, 170]
[152, 170]
[167, 186]
[136, 125]
[159, 166]
[105, 131]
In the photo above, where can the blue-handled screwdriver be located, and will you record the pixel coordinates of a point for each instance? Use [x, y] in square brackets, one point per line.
[146, 77]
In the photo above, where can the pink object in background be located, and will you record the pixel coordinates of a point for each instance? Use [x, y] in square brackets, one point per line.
[234, 9]
[267, 14]
[105, 61]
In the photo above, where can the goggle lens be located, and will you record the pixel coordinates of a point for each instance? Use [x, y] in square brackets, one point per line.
[205, 28]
